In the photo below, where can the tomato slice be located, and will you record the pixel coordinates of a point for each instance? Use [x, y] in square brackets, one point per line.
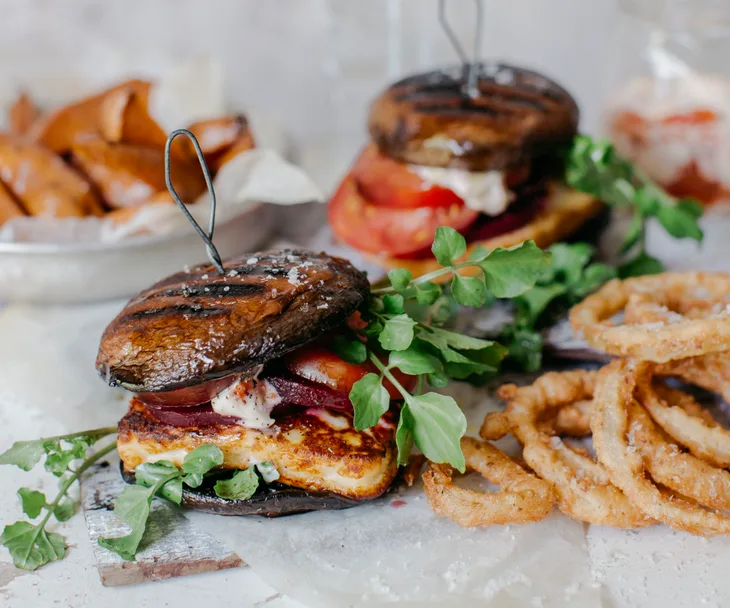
[321, 366]
[385, 182]
[394, 231]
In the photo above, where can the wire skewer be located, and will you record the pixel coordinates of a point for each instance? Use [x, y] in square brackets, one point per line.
[471, 67]
[207, 237]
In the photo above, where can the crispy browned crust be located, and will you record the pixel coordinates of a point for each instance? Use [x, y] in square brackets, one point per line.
[200, 325]
[427, 120]
[307, 450]
[564, 212]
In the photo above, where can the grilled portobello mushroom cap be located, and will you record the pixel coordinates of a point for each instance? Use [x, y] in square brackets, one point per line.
[199, 325]
[514, 116]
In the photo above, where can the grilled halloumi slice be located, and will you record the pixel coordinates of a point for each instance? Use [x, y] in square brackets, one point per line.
[311, 449]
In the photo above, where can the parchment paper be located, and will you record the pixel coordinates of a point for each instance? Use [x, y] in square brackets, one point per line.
[396, 550]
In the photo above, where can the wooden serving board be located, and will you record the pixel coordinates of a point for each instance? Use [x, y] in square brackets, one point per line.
[172, 546]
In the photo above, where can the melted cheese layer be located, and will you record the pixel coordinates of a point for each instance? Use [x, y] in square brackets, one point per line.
[309, 450]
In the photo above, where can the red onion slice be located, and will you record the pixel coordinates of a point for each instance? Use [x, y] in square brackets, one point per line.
[513, 218]
[296, 392]
[292, 392]
[189, 416]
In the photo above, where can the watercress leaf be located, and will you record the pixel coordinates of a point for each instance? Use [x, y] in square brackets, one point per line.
[370, 400]
[375, 326]
[149, 474]
[443, 338]
[438, 426]
[350, 349]
[533, 303]
[448, 245]
[133, 508]
[58, 459]
[241, 486]
[647, 199]
[464, 371]
[414, 362]
[397, 333]
[593, 277]
[478, 253]
[510, 272]
[32, 502]
[437, 379]
[640, 265]
[404, 436]
[442, 310]
[525, 347]
[427, 293]
[65, 510]
[400, 278]
[172, 490]
[393, 304]
[198, 462]
[32, 546]
[690, 207]
[469, 291]
[23, 454]
[680, 220]
[567, 261]
[268, 471]
[633, 233]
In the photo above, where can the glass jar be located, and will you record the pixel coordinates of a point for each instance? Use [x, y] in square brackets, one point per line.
[668, 96]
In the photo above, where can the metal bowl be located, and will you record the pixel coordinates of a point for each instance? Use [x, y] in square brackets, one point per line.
[91, 272]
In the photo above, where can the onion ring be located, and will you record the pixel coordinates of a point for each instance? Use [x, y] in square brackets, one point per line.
[583, 487]
[522, 498]
[687, 422]
[659, 341]
[681, 472]
[571, 420]
[495, 426]
[613, 407]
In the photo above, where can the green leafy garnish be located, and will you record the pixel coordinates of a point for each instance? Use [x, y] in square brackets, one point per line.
[568, 279]
[594, 167]
[404, 334]
[370, 400]
[161, 478]
[32, 545]
[241, 486]
[32, 502]
[133, 508]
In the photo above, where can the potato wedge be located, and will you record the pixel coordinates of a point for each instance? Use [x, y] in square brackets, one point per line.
[9, 207]
[128, 175]
[22, 114]
[61, 129]
[43, 183]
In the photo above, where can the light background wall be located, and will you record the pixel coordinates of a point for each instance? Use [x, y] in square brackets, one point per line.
[312, 64]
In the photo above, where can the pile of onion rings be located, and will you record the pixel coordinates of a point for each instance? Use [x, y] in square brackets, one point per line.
[660, 456]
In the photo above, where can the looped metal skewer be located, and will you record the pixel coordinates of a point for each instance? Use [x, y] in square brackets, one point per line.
[213, 254]
[469, 88]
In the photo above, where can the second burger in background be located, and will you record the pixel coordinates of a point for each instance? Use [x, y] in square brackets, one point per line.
[487, 163]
